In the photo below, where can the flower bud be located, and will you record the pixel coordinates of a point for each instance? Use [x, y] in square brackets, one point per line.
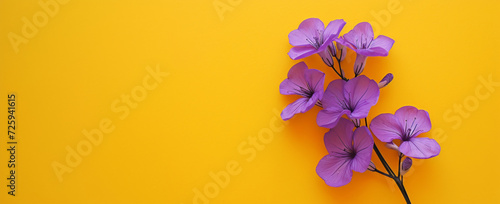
[342, 51]
[406, 165]
[371, 167]
[392, 146]
[386, 80]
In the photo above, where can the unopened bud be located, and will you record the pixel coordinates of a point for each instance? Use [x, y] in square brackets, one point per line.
[371, 167]
[342, 51]
[386, 80]
[406, 165]
[392, 146]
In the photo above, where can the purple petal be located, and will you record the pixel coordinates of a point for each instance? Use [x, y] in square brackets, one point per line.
[361, 93]
[420, 148]
[300, 52]
[332, 32]
[287, 87]
[329, 118]
[333, 29]
[378, 47]
[346, 43]
[298, 38]
[334, 94]
[334, 171]
[301, 105]
[386, 127]
[316, 80]
[384, 43]
[364, 29]
[312, 28]
[296, 79]
[339, 138]
[412, 118]
[361, 111]
[361, 34]
[363, 145]
[349, 40]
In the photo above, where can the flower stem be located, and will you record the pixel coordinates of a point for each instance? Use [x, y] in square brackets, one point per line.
[342, 77]
[338, 60]
[403, 190]
[341, 74]
[399, 164]
[381, 158]
[390, 173]
[384, 174]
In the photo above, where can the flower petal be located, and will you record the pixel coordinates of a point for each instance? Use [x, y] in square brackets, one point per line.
[361, 34]
[333, 29]
[332, 32]
[312, 28]
[334, 94]
[334, 171]
[363, 146]
[361, 111]
[410, 117]
[300, 52]
[315, 80]
[386, 127]
[361, 93]
[384, 44]
[301, 105]
[296, 79]
[339, 138]
[420, 148]
[329, 118]
[287, 87]
[298, 38]
[364, 29]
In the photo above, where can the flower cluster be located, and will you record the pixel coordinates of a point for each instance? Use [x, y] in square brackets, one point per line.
[346, 103]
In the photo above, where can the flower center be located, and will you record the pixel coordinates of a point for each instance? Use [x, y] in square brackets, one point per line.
[306, 92]
[349, 153]
[410, 129]
[363, 42]
[317, 40]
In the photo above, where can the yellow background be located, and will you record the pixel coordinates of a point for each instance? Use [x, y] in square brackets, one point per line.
[222, 91]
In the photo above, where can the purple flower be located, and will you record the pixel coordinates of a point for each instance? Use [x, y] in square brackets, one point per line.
[360, 39]
[347, 151]
[353, 98]
[312, 37]
[405, 125]
[305, 82]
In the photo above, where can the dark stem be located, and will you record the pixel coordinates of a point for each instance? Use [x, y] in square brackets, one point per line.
[378, 171]
[399, 165]
[381, 158]
[391, 174]
[341, 74]
[342, 77]
[403, 190]
[338, 60]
